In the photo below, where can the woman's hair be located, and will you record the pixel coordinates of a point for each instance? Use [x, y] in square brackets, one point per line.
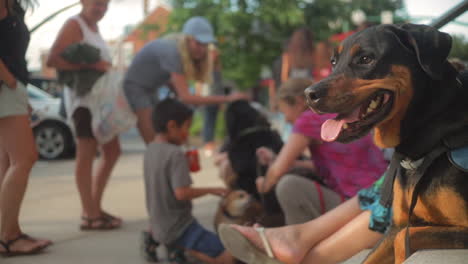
[323, 53]
[292, 88]
[196, 71]
[300, 48]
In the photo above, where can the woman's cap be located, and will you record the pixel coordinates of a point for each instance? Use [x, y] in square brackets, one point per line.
[200, 29]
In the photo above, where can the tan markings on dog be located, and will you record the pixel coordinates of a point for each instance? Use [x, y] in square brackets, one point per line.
[387, 132]
[399, 243]
[238, 207]
[339, 49]
[453, 213]
[354, 49]
[400, 204]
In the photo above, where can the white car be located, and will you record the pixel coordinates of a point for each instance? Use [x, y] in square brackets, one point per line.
[53, 135]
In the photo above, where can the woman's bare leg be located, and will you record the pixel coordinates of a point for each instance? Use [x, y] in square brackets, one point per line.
[85, 153]
[145, 124]
[345, 243]
[18, 155]
[4, 164]
[110, 154]
[304, 236]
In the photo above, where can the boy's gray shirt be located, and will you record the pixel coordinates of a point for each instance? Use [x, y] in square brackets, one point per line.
[165, 169]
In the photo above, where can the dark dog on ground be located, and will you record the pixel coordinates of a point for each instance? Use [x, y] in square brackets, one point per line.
[238, 207]
[396, 79]
[248, 130]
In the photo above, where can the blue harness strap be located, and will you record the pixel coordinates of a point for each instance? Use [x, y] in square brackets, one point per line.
[459, 158]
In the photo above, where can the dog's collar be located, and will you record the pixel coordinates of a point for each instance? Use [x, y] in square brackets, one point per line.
[251, 130]
[411, 164]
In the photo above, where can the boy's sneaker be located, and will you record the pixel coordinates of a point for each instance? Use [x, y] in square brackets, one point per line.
[148, 247]
[176, 255]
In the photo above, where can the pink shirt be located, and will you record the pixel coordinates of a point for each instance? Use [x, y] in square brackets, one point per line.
[345, 168]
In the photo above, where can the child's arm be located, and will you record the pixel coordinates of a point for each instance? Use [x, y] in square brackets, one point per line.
[189, 193]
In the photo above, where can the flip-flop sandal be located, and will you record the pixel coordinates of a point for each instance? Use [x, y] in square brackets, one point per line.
[9, 253]
[244, 250]
[104, 224]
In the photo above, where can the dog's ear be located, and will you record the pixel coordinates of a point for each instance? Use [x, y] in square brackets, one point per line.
[429, 44]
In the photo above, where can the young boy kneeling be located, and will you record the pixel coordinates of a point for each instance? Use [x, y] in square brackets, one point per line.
[168, 187]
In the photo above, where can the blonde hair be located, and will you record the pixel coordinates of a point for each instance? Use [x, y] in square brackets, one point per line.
[202, 72]
[292, 88]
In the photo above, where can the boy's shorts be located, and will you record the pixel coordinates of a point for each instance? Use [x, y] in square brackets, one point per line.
[197, 238]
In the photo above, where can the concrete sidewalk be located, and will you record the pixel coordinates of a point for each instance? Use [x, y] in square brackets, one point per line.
[51, 210]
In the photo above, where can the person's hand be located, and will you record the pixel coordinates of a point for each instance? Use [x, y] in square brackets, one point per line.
[219, 191]
[101, 66]
[30, 109]
[219, 158]
[238, 96]
[11, 83]
[265, 156]
[263, 186]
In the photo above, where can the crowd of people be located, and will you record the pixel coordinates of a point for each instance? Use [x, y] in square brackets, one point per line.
[329, 217]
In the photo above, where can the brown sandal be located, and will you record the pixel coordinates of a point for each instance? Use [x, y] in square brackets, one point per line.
[100, 223]
[112, 218]
[9, 253]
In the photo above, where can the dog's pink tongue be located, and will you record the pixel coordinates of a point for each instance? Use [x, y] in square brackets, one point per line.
[331, 129]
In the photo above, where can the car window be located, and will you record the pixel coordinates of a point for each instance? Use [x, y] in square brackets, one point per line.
[36, 93]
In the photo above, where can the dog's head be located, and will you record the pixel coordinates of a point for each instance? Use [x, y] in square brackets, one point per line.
[236, 203]
[240, 115]
[381, 76]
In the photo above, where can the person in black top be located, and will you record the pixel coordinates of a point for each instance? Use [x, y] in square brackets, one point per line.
[17, 148]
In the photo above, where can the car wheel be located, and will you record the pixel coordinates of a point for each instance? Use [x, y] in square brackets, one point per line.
[52, 140]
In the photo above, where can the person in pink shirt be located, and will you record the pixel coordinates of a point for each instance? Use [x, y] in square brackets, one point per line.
[340, 170]
[331, 216]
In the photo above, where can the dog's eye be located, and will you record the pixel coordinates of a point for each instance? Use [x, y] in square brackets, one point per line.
[333, 62]
[365, 60]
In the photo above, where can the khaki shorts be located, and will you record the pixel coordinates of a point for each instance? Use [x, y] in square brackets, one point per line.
[13, 102]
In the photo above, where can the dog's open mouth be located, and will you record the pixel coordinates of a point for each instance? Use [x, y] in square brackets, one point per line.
[349, 126]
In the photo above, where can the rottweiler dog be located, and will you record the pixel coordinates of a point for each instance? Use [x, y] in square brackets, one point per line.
[397, 81]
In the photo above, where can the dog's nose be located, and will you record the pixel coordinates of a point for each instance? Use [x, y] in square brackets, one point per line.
[315, 92]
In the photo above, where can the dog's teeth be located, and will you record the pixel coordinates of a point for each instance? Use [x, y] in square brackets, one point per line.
[373, 104]
[369, 110]
[345, 125]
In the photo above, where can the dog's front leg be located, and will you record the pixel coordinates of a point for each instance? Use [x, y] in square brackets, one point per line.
[383, 252]
[430, 237]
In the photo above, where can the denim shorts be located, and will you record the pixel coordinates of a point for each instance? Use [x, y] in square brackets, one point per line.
[139, 97]
[197, 238]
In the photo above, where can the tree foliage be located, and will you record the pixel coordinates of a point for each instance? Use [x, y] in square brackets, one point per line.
[252, 33]
[459, 48]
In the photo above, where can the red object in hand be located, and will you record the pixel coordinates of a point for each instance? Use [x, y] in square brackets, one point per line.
[193, 160]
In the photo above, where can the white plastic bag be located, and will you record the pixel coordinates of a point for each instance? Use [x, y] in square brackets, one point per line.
[109, 108]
